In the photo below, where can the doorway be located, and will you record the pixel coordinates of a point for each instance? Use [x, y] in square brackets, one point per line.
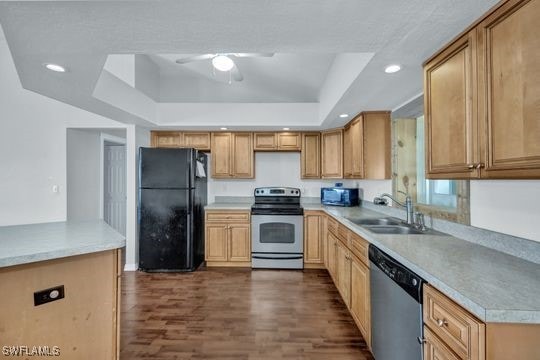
[114, 185]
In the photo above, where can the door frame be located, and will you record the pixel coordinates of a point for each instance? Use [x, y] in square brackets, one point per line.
[104, 139]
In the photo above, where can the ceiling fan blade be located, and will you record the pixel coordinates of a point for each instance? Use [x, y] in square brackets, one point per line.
[244, 55]
[195, 58]
[236, 74]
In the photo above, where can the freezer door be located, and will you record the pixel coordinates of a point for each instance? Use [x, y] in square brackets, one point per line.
[165, 231]
[166, 168]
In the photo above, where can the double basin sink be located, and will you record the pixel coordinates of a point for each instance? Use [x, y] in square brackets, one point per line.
[387, 226]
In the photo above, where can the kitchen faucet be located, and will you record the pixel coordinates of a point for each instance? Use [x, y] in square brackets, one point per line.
[408, 205]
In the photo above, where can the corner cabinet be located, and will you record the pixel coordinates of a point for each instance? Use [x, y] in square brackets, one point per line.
[227, 238]
[232, 156]
[482, 98]
[332, 154]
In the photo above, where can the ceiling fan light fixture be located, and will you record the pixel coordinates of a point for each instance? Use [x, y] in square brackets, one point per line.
[222, 63]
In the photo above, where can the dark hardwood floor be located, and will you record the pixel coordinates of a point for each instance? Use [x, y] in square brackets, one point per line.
[223, 313]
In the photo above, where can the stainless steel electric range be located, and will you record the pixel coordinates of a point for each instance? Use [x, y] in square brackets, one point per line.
[277, 229]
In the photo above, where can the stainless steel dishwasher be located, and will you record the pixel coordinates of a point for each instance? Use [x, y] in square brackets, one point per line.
[396, 309]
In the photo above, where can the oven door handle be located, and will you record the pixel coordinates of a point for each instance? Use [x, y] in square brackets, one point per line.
[277, 258]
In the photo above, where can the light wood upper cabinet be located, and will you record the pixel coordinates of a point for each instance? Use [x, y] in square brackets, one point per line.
[281, 141]
[179, 139]
[313, 237]
[449, 111]
[310, 157]
[509, 74]
[288, 141]
[482, 98]
[353, 144]
[197, 140]
[232, 155]
[166, 139]
[332, 154]
[376, 151]
[265, 141]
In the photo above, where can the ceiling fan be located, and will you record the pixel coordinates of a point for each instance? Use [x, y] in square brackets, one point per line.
[224, 62]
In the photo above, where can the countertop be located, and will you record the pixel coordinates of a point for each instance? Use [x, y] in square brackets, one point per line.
[23, 244]
[494, 286]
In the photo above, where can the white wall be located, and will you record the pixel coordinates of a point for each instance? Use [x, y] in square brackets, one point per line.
[33, 148]
[283, 169]
[507, 206]
[83, 175]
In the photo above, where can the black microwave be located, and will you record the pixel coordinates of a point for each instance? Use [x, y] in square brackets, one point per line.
[339, 196]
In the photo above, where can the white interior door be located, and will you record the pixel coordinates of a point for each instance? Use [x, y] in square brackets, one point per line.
[114, 189]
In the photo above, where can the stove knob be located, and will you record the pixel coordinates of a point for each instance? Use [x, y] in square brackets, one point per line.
[414, 282]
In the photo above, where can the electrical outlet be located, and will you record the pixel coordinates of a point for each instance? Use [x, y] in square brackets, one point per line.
[46, 296]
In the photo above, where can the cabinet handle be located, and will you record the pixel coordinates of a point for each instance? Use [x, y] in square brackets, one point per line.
[421, 340]
[442, 322]
[480, 165]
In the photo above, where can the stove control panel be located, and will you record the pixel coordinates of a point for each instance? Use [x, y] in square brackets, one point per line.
[277, 191]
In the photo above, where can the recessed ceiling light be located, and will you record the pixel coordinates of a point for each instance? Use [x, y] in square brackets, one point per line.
[344, 115]
[222, 63]
[223, 128]
[54, 67]
[392, 69]
[286, 128]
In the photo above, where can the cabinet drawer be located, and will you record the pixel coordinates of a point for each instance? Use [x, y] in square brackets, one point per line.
[461, 331]
[435, 349]
[343, 233]
[333, 225]
[228, 216]
[359, 247]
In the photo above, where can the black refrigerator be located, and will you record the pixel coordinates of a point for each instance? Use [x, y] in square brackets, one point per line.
[172, 196]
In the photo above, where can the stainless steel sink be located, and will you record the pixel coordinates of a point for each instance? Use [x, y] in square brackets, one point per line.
[381, 221]
[393, 229]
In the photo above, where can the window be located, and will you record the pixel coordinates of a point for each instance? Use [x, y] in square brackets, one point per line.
[447, 199]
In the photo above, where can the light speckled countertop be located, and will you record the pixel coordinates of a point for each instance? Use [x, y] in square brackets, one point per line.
[494, 286]
[23, 244]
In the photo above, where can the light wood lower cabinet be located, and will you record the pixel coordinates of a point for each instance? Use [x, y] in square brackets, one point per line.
[313, 239]
[228, 238]
[83, 325]
[360, 297]
[435, 349]
[348, 266]
[343, 257]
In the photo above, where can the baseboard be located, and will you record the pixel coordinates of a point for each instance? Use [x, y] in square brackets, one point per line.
[314, 266]
[131, 267]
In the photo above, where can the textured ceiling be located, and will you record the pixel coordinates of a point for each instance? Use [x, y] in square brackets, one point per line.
[81, 34]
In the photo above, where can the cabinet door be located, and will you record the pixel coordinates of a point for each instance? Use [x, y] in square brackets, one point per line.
[344, 273]
[509, 74]
[313, 251]
[221, 155]
[310, 158]
[166, 139]
[239, 242]
[242, 154]
[265, 141]
[435, 349]
[360, 298]
[216, 242]
[197, 140]
[347, 153]
[357, 145]
[289, 141]
[377, 147]
[332, 253]
[450, 111]
[332, 154]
